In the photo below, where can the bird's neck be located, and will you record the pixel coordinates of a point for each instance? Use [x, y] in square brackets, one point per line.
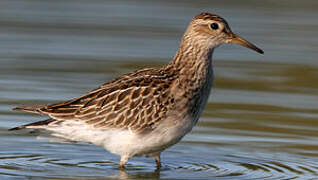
[193, 67]
[193, 64]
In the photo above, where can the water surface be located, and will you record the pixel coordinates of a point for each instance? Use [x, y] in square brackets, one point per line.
[261, 121]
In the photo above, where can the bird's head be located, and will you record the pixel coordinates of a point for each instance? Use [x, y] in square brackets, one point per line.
[209, 30]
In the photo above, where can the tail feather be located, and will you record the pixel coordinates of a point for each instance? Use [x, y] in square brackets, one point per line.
[33, 125]
[30, 109]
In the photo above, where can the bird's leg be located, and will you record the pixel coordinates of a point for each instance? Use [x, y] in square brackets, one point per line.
[123, 161]
[158, 161]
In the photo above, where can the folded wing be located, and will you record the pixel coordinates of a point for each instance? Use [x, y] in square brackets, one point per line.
[136, 101]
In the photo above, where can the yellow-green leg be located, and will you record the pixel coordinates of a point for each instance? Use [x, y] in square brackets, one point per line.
[123, 161]
[158, 161]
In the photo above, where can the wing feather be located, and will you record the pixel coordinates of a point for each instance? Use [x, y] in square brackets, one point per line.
[133, 101]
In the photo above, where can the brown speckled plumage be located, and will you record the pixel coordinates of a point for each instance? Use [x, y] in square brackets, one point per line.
[143, 102]
[138, 101]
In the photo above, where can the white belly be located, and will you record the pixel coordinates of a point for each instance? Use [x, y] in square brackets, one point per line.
[125, 142]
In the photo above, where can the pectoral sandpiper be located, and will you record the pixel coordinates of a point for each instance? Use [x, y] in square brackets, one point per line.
[144, 112]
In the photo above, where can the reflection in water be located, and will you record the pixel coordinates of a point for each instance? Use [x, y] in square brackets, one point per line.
[124, 174]
[261, 120]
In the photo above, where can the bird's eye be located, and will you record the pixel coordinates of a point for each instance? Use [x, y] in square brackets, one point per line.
[214, 26]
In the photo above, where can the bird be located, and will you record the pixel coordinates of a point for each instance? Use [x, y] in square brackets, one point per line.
[144, 112]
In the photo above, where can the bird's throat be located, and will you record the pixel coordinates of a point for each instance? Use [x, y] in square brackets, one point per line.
[194, 66]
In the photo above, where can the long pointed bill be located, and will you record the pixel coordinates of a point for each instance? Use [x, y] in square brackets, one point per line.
[235, 39]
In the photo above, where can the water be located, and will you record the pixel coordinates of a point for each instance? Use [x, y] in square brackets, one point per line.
[261, 121]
